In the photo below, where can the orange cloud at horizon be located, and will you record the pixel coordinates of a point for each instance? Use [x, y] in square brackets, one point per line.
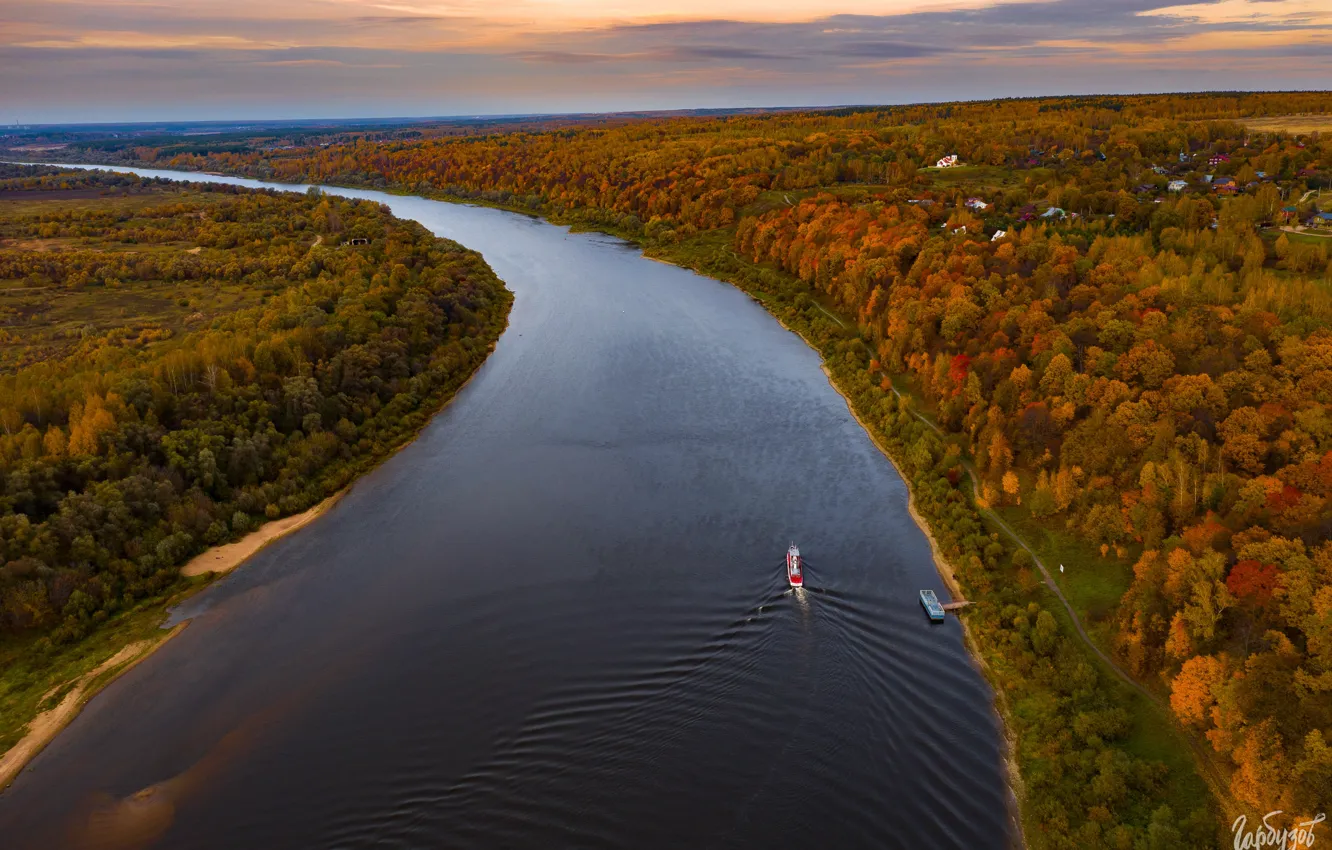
[346, 57]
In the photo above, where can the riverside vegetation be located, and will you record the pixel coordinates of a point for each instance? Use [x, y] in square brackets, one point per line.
[1139, 373]
[179, 364]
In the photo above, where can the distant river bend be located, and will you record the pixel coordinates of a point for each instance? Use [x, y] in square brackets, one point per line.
[559, 618]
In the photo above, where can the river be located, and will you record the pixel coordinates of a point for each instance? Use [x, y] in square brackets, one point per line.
[560, 618]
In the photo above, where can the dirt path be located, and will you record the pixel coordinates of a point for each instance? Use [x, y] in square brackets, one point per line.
[45, 726]
[1304, 232]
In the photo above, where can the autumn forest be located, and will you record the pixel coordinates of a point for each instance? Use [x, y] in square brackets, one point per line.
[179, 365]
[1107, 325]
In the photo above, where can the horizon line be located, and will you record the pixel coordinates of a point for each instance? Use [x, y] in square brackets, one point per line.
[474, 116]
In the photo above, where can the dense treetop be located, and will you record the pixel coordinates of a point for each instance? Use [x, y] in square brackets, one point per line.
[185, 362]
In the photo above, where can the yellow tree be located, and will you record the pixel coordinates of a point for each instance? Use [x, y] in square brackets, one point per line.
[1194, 691]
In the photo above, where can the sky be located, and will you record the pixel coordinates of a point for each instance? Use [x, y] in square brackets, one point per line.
[191, 60]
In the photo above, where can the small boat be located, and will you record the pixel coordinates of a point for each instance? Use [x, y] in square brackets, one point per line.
[793, 567]
[930, 603]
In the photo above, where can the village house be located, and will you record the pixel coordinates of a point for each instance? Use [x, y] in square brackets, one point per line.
[1177, 185]
[998, 234]
[1225, 185]
[1054, 212]
[947, 162]
[1218, 159]
[976, 204]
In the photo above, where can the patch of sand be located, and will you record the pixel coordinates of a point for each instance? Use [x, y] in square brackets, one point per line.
[196, 249]
[45, 726]
[225, 558]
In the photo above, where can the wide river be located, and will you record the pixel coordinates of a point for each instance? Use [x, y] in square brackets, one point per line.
[560, 617]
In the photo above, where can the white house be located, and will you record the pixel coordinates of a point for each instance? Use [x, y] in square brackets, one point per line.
[977, 204]
[998, 234]
[948, 161]
[1177, 185]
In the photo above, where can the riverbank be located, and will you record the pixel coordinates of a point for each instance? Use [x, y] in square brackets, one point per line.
[129, 646]
[43, 728]
[942, 566]
[86, 640]
[946, 571]
[227, 557]
[1021, 699]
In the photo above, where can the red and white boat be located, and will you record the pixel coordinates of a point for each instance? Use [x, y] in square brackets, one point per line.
[794, 571]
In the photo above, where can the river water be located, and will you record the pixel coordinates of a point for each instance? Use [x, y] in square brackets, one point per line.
[560, 619]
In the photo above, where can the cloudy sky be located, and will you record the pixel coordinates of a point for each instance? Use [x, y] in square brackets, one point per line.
[125, 60]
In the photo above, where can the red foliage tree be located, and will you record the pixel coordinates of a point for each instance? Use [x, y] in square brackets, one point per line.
[1253, 582]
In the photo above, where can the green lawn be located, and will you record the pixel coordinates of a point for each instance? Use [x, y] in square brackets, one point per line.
[984, 176]
[1093, 584]
[1309, 238]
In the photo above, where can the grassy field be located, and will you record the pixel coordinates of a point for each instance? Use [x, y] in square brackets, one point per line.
[1093, 584]
[1290, 123]
[1307, 238]
[39, 321]
[984, 176]
[23, 203]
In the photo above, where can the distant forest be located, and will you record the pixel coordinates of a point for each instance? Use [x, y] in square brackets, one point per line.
[181, 363]
[1116, 308]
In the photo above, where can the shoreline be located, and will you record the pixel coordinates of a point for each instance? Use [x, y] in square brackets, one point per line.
[1014, 784]
[226, 557]
[207, 565]
[44, 728]
[945, 571]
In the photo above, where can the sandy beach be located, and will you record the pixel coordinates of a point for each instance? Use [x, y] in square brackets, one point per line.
[45, 726]
[225, 558]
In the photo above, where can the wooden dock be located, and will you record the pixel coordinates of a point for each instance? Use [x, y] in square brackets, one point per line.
[953, 606]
